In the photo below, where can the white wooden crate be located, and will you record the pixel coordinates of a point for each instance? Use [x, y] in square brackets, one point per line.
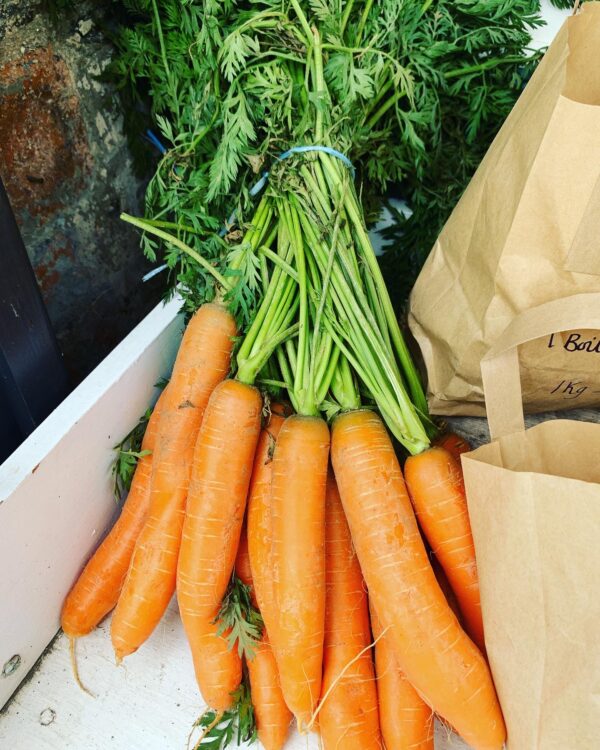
[56, 489]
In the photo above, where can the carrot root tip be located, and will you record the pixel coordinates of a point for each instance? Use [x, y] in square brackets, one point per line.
[75, 668]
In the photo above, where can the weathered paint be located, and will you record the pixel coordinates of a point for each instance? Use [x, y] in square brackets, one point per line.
[66, 167]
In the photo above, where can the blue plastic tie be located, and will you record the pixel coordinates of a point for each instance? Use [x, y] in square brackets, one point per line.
[155, 142]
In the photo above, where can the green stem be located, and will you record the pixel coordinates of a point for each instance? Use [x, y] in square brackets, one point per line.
[372, 362]
[323, 292]
[456, 72]
[263, 315]
[319, 85]
[279, 313]
[324, 379]
[363, 20]
[374, 119]
[174, 225]
[248, 370]
[161, 40]
[303, 20]
[142, 224]
[346, 16]
[284, 366]
[278, 261]
[302, 389]
[343, 387]
[367, 252]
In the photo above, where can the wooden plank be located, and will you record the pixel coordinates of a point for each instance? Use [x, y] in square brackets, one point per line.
[150, 702]
[475, 429]
[56, 489]
[33, 378]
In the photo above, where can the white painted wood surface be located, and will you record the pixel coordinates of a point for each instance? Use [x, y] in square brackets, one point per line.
[150, 703]
[56, 492]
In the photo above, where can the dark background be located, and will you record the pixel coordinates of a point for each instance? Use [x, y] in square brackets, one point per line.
[68, 174]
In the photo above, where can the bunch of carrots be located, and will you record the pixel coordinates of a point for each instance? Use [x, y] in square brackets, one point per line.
[269, 496]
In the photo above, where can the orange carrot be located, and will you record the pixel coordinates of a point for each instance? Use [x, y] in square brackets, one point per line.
[97, 589]
[453, 443]
[219, 672]
[406, 720]
[242, 564]
[348, 714]
[273, 718]
[438, 658]
[259, 518]
[202, 362]
[299, 476]
[435, 484]
[445, 585]
[216, 503]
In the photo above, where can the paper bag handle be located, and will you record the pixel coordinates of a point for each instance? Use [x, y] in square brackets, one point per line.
[500, 366]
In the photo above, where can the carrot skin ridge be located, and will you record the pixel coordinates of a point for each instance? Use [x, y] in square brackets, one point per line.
[299, 475]
[433, 651]
[437, 491]
[216, 503]
[348, 711]
[259, 523]
[96, 591]
[202, 362]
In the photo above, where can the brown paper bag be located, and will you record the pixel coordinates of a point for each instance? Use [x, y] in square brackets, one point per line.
[526, 231]
[534, 502]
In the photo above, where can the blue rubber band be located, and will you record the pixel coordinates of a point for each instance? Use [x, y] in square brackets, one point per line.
[260, 184]
[155, 142]
[324, 150]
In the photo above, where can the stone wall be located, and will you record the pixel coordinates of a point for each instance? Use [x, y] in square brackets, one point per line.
[66, 167]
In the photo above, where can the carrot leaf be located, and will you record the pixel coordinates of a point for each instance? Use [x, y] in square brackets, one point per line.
[237, 725]
[129, 450]
[239, 620]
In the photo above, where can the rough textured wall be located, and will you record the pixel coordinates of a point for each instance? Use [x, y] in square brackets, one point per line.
[66, 167]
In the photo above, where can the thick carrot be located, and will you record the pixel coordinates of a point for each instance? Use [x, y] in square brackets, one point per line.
[453, 443]
[202, 362]
[436, 488]
[97, 589]
[406, 720]
[216, 503]
[259, 518]
[273, 717]
[299, 477]
[348, 714]
[436, 655]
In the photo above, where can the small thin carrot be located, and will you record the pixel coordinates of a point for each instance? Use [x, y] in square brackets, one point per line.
[219, 672]
[453, 443]
[259, 517]
[348, 715]
[406, 720]
[202, 362]
[436, 655]
[437, 491]
[97, 589]
[273, 718]
[222, 466]
[299, 477]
